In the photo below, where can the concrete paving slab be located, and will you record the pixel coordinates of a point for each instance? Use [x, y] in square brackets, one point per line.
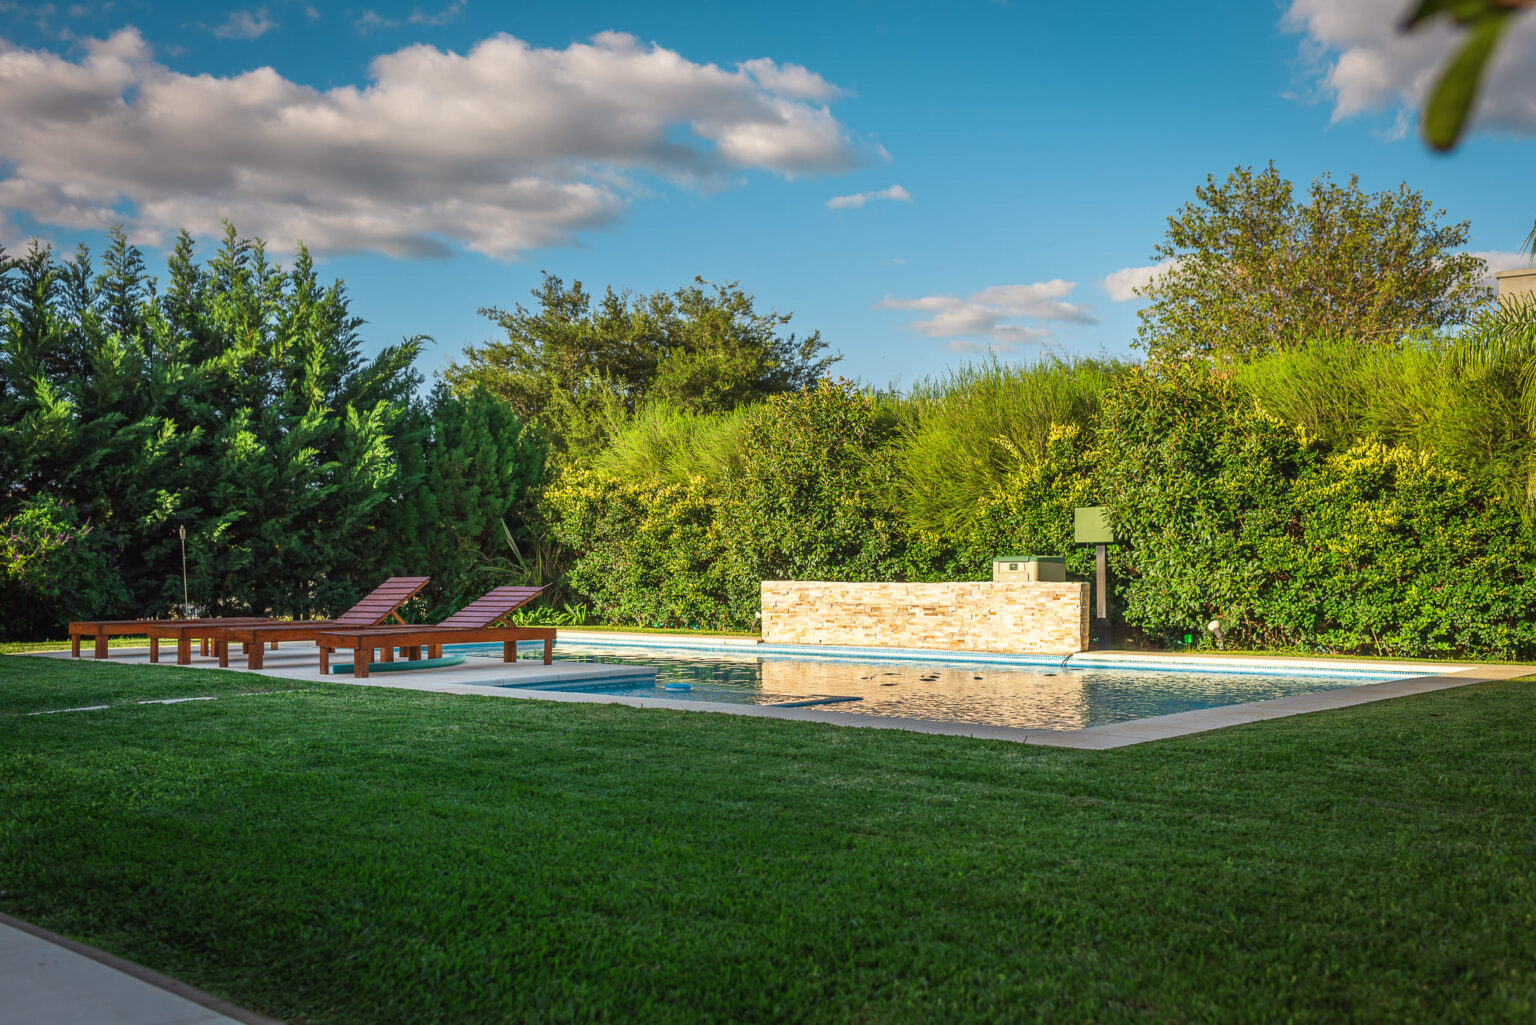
[47, 979]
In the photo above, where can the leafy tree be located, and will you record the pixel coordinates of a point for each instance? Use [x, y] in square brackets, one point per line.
[469, 471]
[1254, 271]
[237, 404]
[575, 365]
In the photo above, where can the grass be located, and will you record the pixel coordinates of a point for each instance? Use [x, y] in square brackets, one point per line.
[17, 647]
[340, 854]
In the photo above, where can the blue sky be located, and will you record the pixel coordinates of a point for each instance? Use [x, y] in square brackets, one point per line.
[921, 182]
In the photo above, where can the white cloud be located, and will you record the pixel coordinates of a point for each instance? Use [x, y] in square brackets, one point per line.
[1363, 63]
[858, 199]
[501, 149]
[1497, 260]
[1122, 284]
[992, 314]
[371, 19]
[245, 25]
[791, 80]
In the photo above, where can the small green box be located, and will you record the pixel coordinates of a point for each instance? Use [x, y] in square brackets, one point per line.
[1029, 568]
[1090, 526]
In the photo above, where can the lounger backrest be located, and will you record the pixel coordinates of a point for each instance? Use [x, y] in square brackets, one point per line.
[383, 600]
[492, 606]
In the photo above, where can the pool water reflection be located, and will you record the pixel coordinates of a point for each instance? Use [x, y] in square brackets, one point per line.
[1028, 696]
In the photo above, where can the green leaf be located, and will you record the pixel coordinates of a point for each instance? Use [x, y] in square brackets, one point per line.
[1445, 116]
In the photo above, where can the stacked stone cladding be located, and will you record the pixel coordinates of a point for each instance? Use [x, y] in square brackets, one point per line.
[1006, 618]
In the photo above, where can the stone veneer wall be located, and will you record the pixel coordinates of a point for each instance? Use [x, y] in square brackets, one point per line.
[1009, 618]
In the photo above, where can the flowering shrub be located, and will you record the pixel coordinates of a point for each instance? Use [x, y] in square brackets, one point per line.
[55, 569]
[1397, 553]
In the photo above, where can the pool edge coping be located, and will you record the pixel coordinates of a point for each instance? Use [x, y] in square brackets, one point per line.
[1207, 661]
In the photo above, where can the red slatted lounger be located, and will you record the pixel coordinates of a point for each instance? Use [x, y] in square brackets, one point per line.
[474, 622]
[378, 606]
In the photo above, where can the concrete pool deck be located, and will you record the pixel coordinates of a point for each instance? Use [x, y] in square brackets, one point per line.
[490, 677]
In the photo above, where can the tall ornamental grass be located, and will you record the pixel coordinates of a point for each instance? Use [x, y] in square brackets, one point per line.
[665, 443]
[974, 429]
[1469, 399]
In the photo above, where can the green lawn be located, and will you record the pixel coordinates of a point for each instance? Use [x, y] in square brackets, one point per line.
[333, 853]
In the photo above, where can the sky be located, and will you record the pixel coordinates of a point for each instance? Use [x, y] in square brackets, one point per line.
[924, 183]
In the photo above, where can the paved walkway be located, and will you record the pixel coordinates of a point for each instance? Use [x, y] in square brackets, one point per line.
[49, 980]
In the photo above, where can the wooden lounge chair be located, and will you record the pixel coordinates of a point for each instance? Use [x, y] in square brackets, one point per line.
[474, 622]
[101, 629]
[382, 603]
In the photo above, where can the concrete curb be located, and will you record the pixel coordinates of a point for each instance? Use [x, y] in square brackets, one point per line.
[178, 990]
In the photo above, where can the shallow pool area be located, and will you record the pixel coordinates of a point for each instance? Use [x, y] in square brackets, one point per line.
[1030, 693]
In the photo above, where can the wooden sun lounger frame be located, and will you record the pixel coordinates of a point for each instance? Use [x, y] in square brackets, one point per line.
[412, 639]
[101, 629]
[474, 622]
[185, 633]
[366, 614]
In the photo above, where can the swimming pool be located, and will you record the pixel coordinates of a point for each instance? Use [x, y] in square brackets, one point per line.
[1032, 694]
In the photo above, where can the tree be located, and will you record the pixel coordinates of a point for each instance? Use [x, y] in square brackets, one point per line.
[572, 362]
[238, 405]
[1251, 270]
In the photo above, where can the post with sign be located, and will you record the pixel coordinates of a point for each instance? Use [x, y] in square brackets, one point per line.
[1090, 526]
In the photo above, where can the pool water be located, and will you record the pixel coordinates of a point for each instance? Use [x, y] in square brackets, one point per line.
[1021, 695]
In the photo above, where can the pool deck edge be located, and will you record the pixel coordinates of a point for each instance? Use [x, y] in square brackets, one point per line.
[517, 680]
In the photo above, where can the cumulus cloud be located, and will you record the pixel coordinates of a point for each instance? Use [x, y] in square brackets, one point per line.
[245, 25]
[1122, 284]
[993, 314]
[858, 199]
[501, 149]
[1360, 60]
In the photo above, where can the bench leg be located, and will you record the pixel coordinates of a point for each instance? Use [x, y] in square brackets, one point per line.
[360, 658]
[101, 645]
[325, 661]
[549, 651]
[434, 651]
[412, 652]
[74, 645]
[154, 649]
[222, 647]
[183, 650]
[509, 651]
[202, 647]
[387, 653]
[254, 662]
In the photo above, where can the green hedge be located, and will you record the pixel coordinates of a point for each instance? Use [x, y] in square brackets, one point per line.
[1227, 512]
